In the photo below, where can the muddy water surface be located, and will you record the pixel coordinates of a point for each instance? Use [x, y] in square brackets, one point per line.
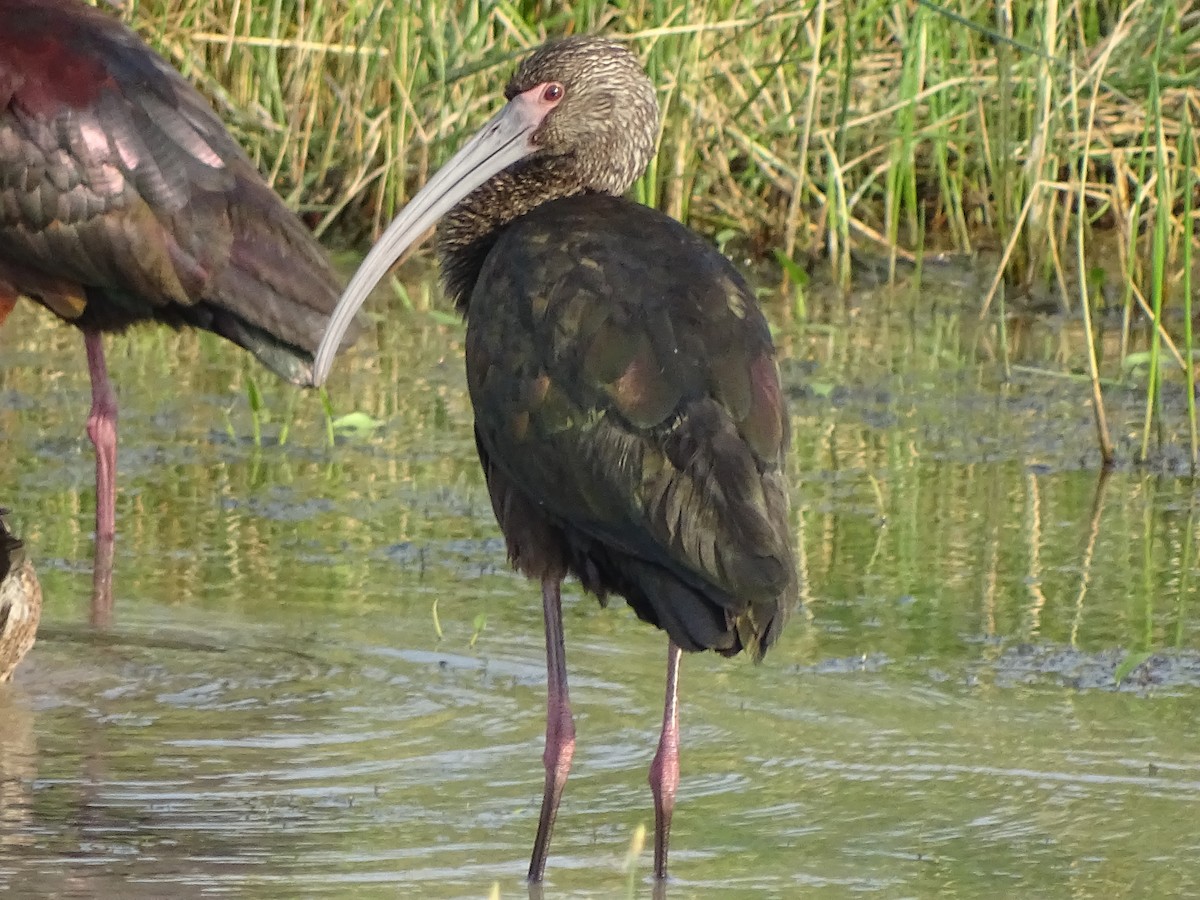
[992, 688]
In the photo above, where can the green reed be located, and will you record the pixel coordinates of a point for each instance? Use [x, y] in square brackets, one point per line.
[1160, 239]
[1186, 163]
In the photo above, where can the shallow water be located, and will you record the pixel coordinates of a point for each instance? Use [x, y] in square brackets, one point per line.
[992, 688]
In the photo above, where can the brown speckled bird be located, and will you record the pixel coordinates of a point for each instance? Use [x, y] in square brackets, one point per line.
[628, 411]
[20, 602]
[123, 200]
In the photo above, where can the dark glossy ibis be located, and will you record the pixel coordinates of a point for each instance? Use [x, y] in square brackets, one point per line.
[628, 412]
[20, 602]
[123, 199]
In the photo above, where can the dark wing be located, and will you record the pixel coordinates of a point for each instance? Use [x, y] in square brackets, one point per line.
[624, 381]
[122, 197]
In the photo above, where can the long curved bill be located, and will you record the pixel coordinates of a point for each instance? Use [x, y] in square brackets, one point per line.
[503, 141]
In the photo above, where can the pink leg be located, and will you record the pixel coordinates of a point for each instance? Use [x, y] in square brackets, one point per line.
[102, 429]
[664, 771]
[560, 727]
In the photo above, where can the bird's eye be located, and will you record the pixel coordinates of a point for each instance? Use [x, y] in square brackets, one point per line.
[553, 92]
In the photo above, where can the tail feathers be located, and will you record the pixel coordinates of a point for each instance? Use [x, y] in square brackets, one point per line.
[675, 608]
[288, 362]
[696, 617]
[277, 289]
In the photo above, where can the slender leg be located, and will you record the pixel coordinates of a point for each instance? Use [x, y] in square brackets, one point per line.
[102, 429]
[664, 771]
[560, 727]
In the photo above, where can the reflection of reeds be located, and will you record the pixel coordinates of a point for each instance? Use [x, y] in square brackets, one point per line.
[209, 513]
[984, 500]
[981, 520]
[1089, 553]
[1033, 525]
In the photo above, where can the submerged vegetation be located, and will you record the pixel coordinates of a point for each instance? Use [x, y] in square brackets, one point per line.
[1054, 142]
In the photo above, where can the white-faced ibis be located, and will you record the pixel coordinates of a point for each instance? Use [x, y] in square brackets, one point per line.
[123, 199]
[20, 602]
[628, 412]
